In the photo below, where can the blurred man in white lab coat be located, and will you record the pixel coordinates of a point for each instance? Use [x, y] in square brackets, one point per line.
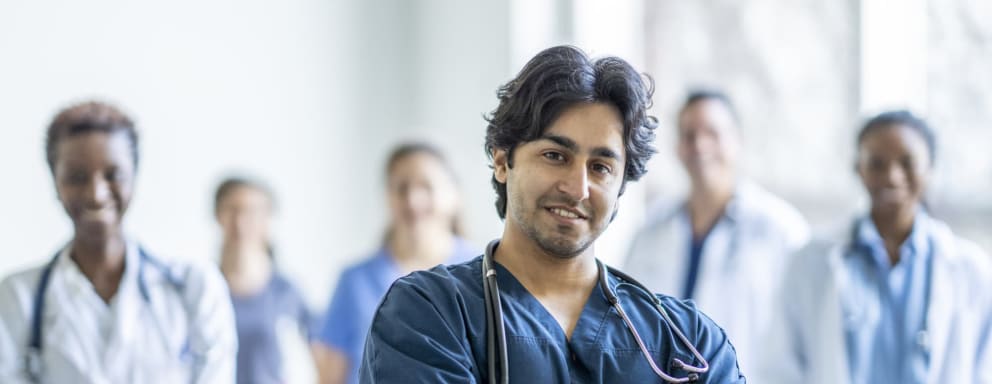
[725, 245]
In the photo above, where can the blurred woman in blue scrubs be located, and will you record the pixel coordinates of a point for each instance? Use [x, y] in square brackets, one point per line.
[899, 298]
[424, 231]
[268, 308]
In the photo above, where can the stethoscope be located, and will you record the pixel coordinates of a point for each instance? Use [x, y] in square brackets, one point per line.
[499, 371]
[33, 361]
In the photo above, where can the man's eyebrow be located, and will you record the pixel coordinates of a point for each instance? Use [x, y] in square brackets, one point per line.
[606, 152]
[572, 146]
[562, 141]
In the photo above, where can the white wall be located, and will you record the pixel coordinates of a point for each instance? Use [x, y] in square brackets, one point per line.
[307, 95]
[214, 86]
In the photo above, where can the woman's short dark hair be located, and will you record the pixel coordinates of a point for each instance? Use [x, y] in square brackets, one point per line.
[86, 117]
[906, 119]
[557, 79]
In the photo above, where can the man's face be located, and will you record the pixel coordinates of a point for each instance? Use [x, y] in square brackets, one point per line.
[708, 141]
[563, 187]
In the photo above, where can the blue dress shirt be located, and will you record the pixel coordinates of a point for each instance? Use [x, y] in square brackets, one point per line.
[888, 344]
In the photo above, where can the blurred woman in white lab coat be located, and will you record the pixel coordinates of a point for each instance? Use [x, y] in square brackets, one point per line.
[897, 298]
[727, 244]
[102, 309]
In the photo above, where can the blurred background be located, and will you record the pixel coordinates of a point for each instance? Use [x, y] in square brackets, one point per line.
[311, 95]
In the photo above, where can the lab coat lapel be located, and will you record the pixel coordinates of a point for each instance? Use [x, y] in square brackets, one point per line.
[719, 270]
[940, 305]
[67, 304]
[716, 271]
[831, 339]
[126, 308]
[671, 247]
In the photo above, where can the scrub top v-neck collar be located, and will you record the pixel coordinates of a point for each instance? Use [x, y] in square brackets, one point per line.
[587, 328]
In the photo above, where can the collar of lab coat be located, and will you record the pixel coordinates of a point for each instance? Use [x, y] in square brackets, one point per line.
[940, 304]
[124, 308]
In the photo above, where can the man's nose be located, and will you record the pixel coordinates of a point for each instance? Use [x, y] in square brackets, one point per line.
[575, 183]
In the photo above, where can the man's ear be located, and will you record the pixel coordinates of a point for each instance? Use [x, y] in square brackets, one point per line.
[500, 165]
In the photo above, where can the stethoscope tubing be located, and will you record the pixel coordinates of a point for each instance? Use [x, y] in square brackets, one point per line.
[33, 357]
[495, 331]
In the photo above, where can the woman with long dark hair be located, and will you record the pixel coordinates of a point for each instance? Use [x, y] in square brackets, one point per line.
[264, 300]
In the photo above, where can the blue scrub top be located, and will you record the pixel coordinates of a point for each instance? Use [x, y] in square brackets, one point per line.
[257, 318]
[430, 328]
[358, 293]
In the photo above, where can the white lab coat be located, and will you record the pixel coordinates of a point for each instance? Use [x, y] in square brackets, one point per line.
[744, 256]
[809, 346]
[131, 340]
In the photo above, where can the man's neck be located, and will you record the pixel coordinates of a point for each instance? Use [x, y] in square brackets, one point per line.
[543, 273]
[707, 202]
[561, 285]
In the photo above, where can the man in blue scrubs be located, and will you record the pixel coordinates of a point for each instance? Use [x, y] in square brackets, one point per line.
[568, 133]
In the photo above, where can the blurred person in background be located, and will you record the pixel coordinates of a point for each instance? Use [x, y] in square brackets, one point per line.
[897, 298]
[726, 245]
[104, 310]
[268, 308]
[424, 231]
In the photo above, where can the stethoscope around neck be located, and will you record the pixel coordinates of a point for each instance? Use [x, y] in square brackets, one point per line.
[498, 367]
[32, 360]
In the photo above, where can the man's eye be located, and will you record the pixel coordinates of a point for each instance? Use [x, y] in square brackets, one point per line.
[554, 156]
[602, 168]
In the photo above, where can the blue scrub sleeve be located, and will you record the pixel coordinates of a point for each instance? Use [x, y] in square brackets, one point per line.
[412, 341]
[340, 326]
[716, 348]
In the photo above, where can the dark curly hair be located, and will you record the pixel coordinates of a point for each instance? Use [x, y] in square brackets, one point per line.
[90, 116]
[557, 79]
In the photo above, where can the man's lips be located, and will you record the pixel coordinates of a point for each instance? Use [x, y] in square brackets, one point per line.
[567, 212]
